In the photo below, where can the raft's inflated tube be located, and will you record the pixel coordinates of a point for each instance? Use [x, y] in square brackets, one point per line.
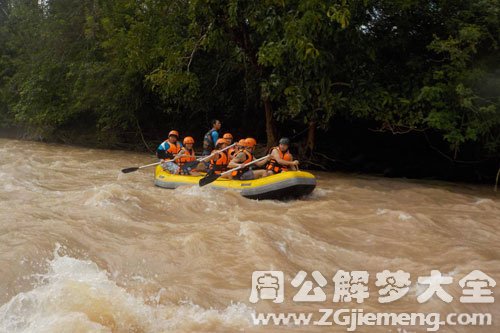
[282, 186]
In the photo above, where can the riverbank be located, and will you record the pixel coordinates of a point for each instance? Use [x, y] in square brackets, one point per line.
[351, 150]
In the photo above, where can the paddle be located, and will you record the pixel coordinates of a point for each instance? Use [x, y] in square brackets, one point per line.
[203, 158]
[209, 178]
[128, 170]
[162, 154]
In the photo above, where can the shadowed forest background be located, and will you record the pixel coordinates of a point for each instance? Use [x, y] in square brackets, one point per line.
[401, 87]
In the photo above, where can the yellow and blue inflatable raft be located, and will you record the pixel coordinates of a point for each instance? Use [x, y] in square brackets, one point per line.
[282, 186]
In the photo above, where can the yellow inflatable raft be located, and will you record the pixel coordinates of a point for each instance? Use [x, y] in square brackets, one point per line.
[285, 185]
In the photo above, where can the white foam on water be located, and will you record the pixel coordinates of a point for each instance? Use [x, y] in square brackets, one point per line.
[281, 246]
[108, 195]
[480, 201]
[319, 193]
[403, 216]
[9, 183]
[8, 187]
[196, 191]
[77, 296]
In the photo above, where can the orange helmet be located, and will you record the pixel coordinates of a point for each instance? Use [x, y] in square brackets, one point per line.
[227, 136]
[221, 141]
[174, 132]
[242, 143]
[187, 140]
[250, 142]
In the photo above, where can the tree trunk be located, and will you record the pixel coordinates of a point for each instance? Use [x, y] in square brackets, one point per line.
[311, 138]
[270, 124]
[242, 38]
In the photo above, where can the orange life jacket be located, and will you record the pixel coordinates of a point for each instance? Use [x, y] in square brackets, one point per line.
[237, 173]
[274, 166]
[174, 147]
[219, 164]
[185, 159]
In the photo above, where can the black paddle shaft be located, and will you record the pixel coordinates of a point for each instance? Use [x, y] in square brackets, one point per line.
[129, 170]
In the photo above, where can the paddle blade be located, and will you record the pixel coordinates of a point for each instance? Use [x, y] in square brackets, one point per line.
[209, 178]
[129, 170]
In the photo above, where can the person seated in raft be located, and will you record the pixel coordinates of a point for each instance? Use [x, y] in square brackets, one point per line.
[245, 156]
[167, 152]
[229, 138]
[220, 160]
[231, 152]
[281, 159]
[185, 156]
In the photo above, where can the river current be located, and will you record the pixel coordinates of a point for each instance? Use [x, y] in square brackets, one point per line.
[85, 248]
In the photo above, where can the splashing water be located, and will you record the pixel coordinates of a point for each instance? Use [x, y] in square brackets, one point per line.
[76, 296]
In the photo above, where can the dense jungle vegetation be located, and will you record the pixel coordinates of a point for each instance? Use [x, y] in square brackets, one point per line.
[400, 87]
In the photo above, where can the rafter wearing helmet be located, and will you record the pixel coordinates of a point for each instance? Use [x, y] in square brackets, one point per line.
[245, 156]
[281, 159]
[220, 160]
[185, 156]
[168, 150]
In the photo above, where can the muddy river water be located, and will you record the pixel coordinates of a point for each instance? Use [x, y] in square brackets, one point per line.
[85, 248]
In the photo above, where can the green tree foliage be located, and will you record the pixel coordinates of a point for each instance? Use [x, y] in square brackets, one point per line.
[115, 66]
[433, 66]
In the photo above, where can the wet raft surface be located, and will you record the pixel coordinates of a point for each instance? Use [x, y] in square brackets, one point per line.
[135, 257]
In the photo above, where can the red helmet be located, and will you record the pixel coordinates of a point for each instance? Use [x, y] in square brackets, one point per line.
[174, 133]
[250, 142]
[187, 140]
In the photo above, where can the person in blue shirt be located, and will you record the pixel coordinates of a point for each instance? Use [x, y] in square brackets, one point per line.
[211, 137]
[168, 150]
